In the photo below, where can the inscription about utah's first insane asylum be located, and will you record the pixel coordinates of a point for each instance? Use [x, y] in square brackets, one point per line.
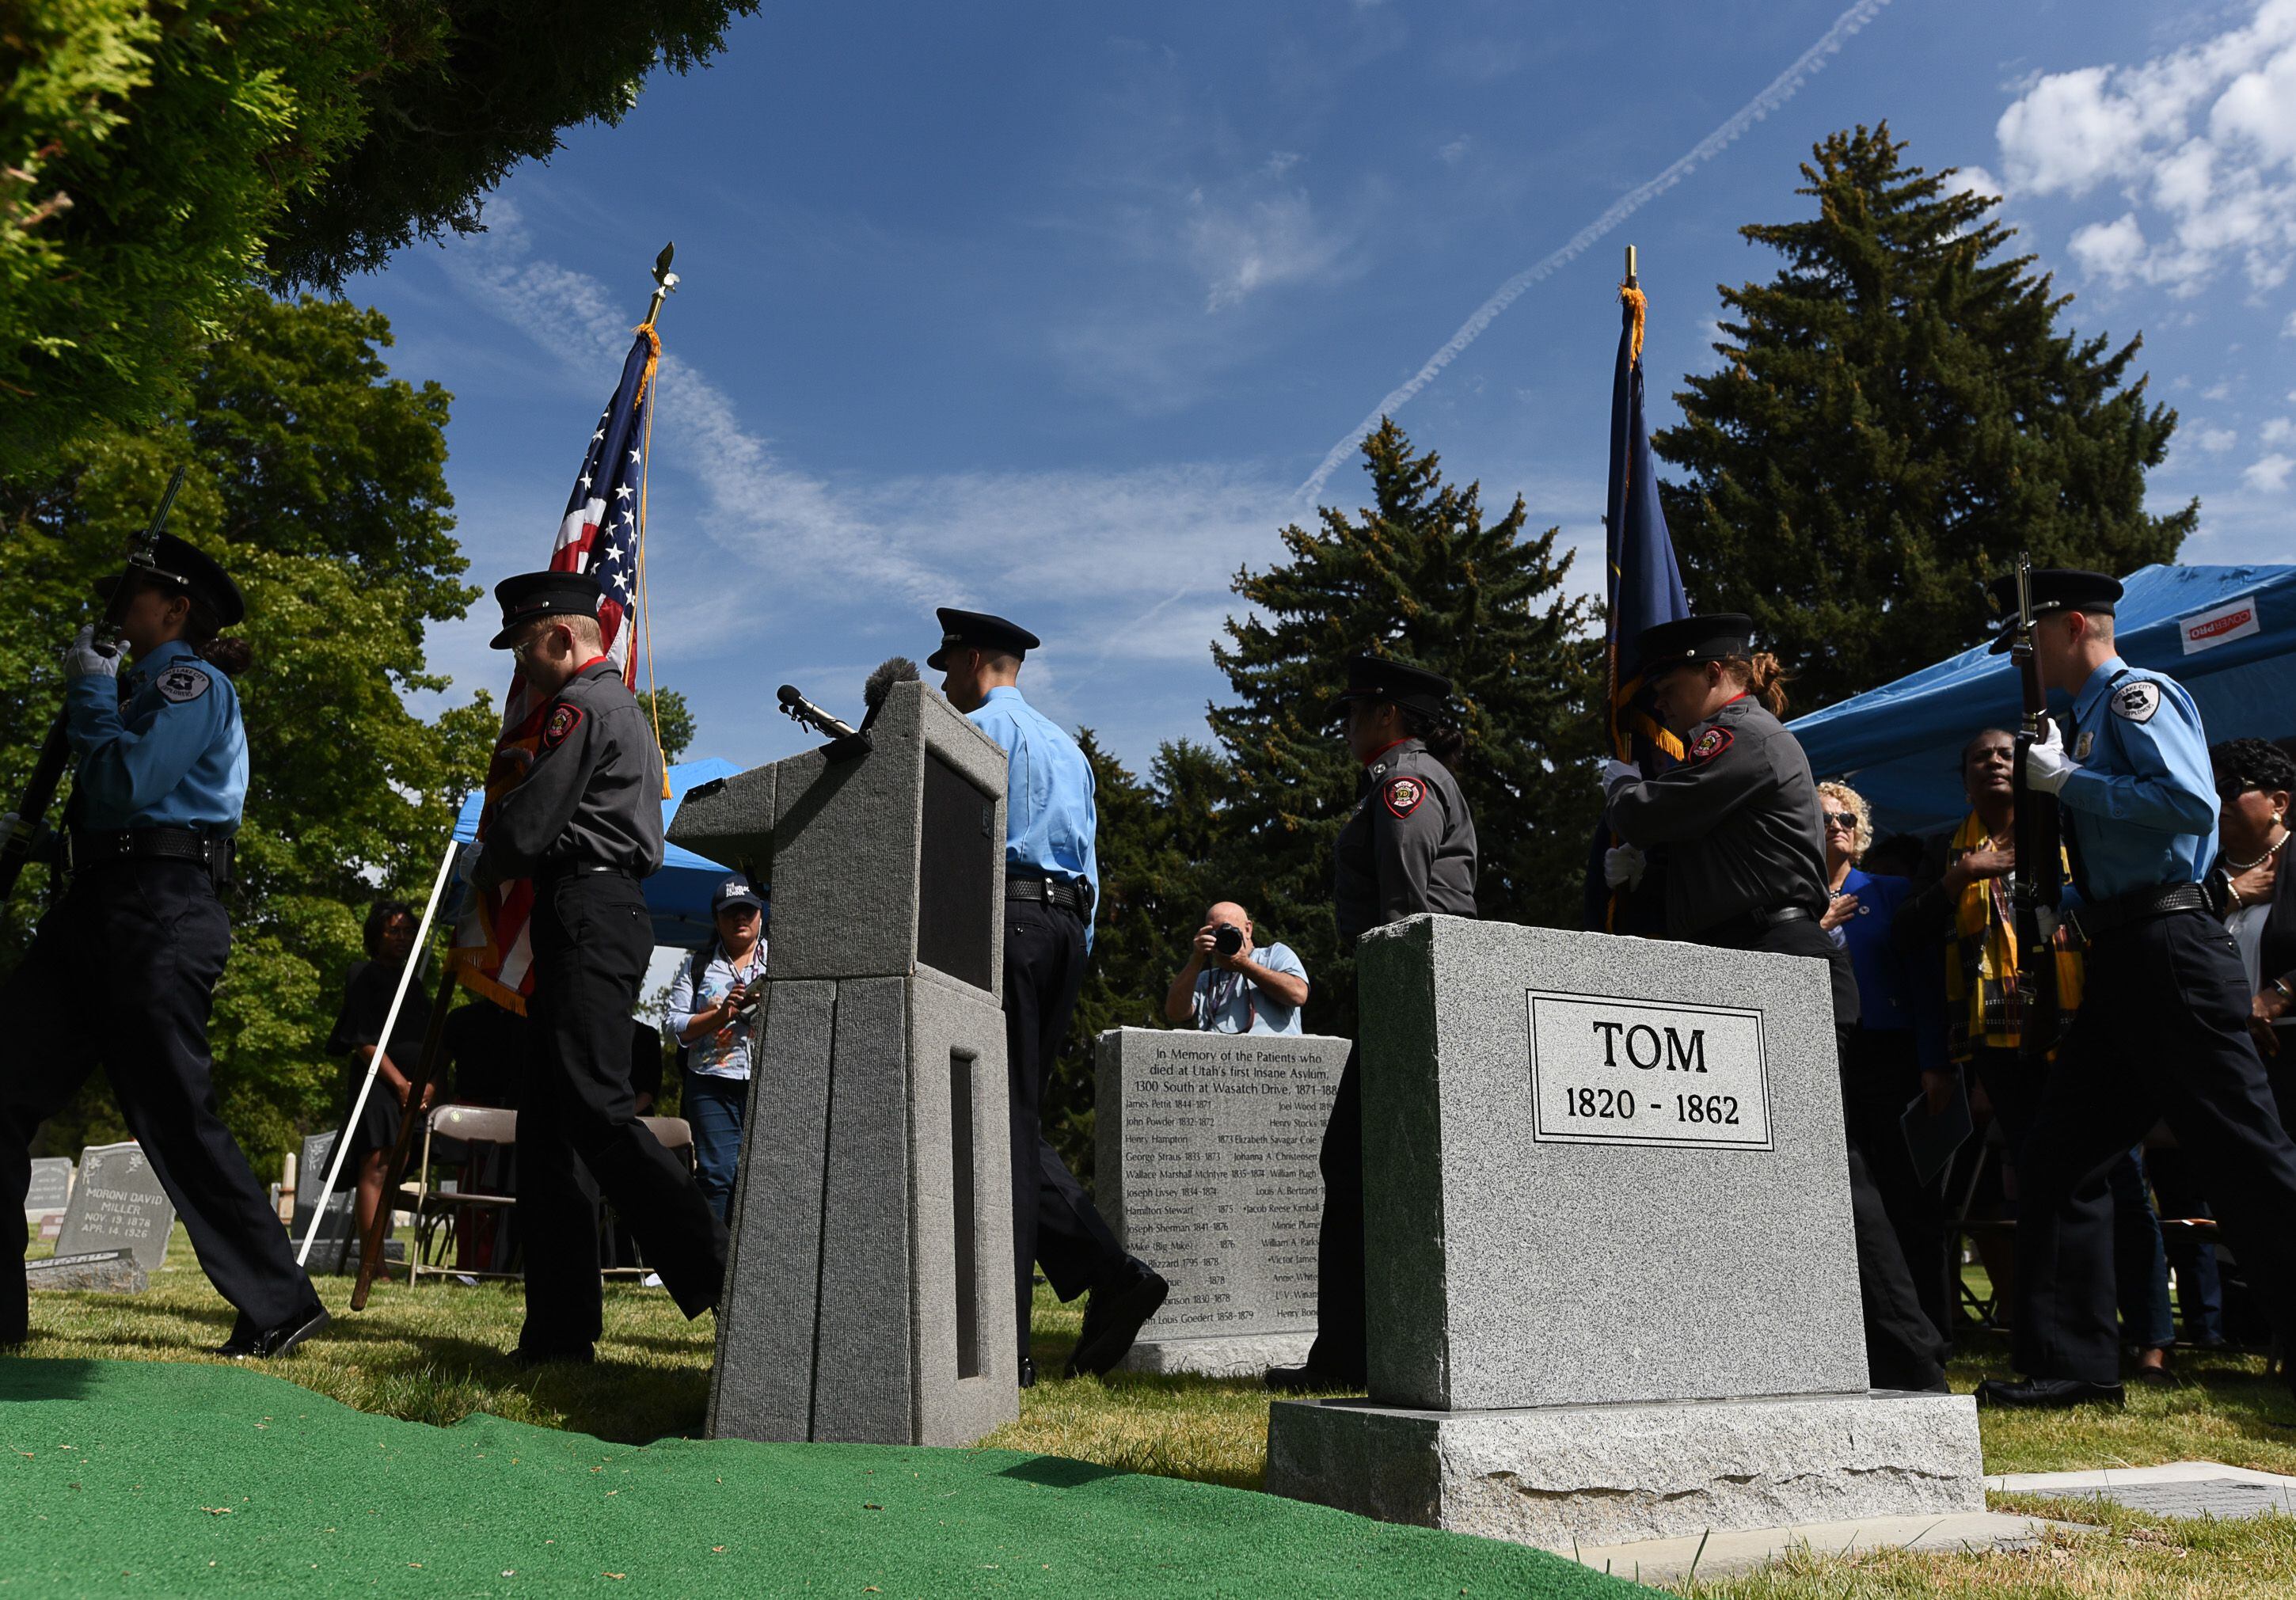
[1219, 1190]
[1636, 1073]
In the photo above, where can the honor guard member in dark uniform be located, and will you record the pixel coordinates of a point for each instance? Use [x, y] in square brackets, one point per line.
[1746, 871]
[585, 824]
[2163, 1030]
[1409, 847]
[124, 965]
[1052, 880]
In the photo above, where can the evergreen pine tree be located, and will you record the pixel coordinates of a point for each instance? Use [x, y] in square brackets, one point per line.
[1899, 415]
[1417, 575]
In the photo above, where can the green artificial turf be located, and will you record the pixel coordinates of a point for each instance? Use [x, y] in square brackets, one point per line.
[139, 1478]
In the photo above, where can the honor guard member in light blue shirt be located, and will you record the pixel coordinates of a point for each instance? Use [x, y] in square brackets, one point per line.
[123, 966]
[1052, 880]
[2162, 1031]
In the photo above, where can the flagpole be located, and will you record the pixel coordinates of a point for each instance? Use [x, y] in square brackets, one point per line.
[664, 282]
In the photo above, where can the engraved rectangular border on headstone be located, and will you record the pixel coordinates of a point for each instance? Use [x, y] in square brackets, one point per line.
[1708, 1091]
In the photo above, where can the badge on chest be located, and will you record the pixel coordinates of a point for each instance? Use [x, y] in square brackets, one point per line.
[2084, 744]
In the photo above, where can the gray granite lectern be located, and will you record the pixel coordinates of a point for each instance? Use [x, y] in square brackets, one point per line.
[1613, 1287]
[869, 1291]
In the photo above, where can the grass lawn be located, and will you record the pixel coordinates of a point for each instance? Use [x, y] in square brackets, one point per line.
[436, 1354]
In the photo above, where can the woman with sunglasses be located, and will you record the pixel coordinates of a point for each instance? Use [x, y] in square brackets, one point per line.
[2255, 893]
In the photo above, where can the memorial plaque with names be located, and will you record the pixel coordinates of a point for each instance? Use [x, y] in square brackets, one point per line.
[1207, 1171]
[1627, 1072]
[118, 1204]
[51, 1189]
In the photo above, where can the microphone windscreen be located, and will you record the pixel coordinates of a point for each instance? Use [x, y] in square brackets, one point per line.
[899, 669]
[788, 694]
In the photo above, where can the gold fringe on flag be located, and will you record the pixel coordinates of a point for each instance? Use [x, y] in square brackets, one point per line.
[646, 596]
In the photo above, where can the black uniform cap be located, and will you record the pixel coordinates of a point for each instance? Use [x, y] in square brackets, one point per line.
[532, 595]
[1716, 637]
[977, 630]
[176, 569]
[1414, 688]
[2054, 589]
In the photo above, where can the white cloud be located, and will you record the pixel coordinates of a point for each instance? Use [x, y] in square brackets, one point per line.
[2268, 474]
[2279, 431]
[1455, 152]
[2218, 390]
[1971, 179]
[1282, 161]
[2216, 441]
[1258, 245]
[2199, 143]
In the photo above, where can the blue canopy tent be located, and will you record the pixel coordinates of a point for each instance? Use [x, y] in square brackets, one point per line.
[2228, 634]
[678, 895]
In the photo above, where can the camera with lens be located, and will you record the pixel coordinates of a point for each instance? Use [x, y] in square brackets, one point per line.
[1227, 938]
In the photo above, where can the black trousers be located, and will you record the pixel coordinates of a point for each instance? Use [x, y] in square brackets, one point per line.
[1342, 1351]
[578, 1130]
[121, 972]
[2162, 1035]
[1053, 1222]
[1880, 1076]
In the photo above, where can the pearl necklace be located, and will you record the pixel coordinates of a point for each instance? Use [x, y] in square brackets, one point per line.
[2237, 867]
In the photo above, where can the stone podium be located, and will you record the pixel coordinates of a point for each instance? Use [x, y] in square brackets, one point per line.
[869, 1287]
[1205, 1166]
[1613, 1287]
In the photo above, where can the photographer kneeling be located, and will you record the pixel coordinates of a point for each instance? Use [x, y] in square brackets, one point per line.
[1230, 986]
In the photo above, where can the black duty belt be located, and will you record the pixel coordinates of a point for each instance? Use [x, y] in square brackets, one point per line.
[2092, 921]
[84, 848]
[1746, 929]
[1063, 893]
[552, 871]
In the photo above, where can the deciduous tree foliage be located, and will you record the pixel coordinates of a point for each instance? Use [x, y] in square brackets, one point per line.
[318, 481]
[155, 159]
[1898, 413]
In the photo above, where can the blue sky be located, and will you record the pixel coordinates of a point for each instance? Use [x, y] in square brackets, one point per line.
[1056, 310]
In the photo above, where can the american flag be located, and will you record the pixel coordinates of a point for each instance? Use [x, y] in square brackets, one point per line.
[599, 535]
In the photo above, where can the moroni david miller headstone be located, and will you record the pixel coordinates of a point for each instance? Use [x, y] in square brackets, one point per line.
[1612, 1288]
[118, 1204]
[1206, 1166]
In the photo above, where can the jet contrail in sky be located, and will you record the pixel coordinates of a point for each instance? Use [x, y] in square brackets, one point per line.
[1781, 88]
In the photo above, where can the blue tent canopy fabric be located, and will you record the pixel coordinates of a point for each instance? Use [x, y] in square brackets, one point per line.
[2228, 634]
[678, 895]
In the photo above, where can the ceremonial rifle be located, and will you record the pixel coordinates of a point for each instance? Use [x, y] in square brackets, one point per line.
[39, 791]
[2036, 883]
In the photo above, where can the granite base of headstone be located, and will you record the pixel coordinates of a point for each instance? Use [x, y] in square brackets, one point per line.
[116, 1203]
[1613, 1284]
[869, 1283]
[49, 1194]
[1205, 1166]
[112, 1271]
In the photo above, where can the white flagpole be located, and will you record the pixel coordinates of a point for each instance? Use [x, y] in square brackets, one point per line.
[382, 1047]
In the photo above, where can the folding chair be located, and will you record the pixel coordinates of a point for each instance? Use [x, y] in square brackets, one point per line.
[442, 1214]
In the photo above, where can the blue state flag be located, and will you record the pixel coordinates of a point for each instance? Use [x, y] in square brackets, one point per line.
[1644, 589]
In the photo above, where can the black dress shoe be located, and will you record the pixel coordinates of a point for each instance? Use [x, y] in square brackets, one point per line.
[2047, 1394]
[1028, 1372]
[1112, 1318]
[1309, 1380]
[258, 1344]
[529, 1357]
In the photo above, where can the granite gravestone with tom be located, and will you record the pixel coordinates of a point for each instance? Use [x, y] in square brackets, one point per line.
[118, 1204]
[1206, 1166]
[50, 1194]
[1612, 1285]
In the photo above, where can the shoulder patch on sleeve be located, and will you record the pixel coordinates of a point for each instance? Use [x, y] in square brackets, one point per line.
[565, 716]
[2136, 701]
[1709, 745]
[1404, 795]
[182, 682]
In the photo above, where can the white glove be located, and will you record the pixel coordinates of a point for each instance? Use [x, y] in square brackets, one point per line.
[84, 658]
[466, 862]
[1615, 773]
[1622, 868]
[2046, 765]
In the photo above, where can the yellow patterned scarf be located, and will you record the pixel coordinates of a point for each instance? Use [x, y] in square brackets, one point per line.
[1984, 1007]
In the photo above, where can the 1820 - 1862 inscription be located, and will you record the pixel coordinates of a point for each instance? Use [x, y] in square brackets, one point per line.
[1647, 1072]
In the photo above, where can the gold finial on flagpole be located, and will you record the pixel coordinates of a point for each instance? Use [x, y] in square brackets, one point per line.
[1630, 267]
[664, 281]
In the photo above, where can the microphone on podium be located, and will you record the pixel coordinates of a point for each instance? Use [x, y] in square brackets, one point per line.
[899, 669]
[804, 712]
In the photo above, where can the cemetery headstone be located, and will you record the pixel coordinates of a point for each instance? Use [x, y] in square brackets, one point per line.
[50, 1194]
[113, 1271]
[335, 1230]
[1206, 1169]
[869, 1285]
[1613, 1287]
[118, 1204]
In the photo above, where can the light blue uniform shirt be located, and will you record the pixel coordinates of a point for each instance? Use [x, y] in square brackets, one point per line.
[2143, 808]
[1229, 1002]
[171, 754]
[1049, 819]
[725, 1052]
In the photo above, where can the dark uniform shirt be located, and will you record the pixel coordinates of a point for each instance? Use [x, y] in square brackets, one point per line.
[1410, 846]
[593, 796]
[1740, 815]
